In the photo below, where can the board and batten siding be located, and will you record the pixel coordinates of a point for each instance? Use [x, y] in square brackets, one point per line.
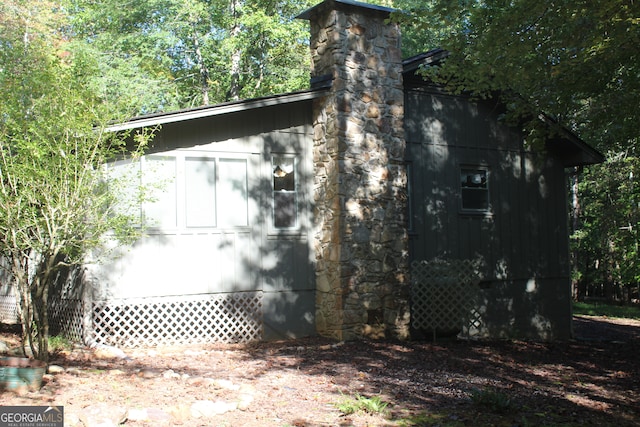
[521, 241]
[235, 251]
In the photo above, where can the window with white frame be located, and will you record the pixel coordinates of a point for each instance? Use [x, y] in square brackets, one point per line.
[233, 193]
[200, 191]
[285, 195]
[159, 180]
[474, 189]
[191, 190]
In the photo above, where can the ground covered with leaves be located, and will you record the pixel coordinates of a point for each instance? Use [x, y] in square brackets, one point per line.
[593, 380]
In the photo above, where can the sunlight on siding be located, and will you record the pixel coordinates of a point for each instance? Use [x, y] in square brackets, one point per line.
[233, 192]
[435, 129]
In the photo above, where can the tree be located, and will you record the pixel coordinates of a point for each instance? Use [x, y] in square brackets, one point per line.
[162, 55]
[573, 60]
[55, 201]
[606, 242]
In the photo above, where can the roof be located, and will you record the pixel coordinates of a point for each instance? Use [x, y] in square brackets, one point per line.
[432, 57]
[334, 4]
[570, 147]
[319, 89]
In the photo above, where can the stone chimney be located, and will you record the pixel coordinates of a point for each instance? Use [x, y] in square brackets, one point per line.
[360, 188]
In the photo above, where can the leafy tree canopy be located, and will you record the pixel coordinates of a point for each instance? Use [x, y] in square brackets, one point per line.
[576, 60]
[162, 55]
[55, 204]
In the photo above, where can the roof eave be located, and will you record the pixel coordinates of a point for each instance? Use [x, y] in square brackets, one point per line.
[153, 120]
[308, 14]
[432, 57]
[576, 151]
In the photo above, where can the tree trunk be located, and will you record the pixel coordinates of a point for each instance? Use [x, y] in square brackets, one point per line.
[41, 305]
[575, 224]
[20, 271]
[33, 290]
[233, 94]
[204, 71]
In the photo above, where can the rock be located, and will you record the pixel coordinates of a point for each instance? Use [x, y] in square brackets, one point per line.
[148, 414]
[180, 413]
[158, 415]
[102, 351]
[169, 374]
[147, 373]
[4, 348]
[71, 419]
[55, 369]
[226, 384]
[137, 415]
[207, 408]
[102, 415]
[246, 399]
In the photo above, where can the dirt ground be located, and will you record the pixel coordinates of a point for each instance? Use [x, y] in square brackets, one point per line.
[592, 380]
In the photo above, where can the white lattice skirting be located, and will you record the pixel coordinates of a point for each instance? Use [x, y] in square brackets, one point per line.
[138, 322]
[9, 309]
[445, 296]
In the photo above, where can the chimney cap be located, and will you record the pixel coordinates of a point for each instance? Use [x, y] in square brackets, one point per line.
[335, 4]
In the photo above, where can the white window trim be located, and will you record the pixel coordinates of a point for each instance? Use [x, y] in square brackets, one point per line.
[474, 211]
[296, 170]
[181, 203]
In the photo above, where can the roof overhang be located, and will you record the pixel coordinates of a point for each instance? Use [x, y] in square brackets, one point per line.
[571, 149]
[430, 58]
[344, 4]
[153, 120]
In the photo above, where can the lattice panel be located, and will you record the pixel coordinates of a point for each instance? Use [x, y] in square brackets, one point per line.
[445, 296]
[65, 318]
[9, 309]
[178, 320]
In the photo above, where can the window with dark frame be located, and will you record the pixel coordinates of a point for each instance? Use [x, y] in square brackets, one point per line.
[474, 189]
[285, 196]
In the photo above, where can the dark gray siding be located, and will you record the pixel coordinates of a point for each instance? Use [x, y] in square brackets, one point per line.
[522, 242]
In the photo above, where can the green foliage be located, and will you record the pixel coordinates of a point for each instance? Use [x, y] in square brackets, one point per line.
[372, 405]
[162, 55]
[59, 343]
[492, 400]
[608, 310]
[55, 203]
[574, 60]
[606, 243]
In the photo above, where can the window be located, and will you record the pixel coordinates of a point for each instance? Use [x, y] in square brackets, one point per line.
[159, 179]
[474, 189]
[184, 191]
[285, 196]
[233, 202]
[200, 191]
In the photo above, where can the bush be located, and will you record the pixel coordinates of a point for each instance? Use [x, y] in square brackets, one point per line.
[492, 399]
[372, 405]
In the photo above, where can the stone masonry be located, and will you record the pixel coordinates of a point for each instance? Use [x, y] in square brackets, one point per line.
[360, 188]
